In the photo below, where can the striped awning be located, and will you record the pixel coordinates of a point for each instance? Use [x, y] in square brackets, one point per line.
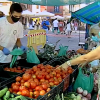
[89, 14]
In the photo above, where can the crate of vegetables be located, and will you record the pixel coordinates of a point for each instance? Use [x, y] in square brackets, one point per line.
[15, 68]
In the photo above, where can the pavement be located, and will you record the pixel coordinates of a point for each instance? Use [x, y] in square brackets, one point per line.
[72, 42]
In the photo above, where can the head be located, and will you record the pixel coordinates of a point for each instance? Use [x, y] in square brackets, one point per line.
[15, 12]
[2, 14]
[44, 19]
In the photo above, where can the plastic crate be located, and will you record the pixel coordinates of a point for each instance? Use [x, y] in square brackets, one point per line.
[66, 82]
[73, 76]
[60, 87]
[8, 65]
[50, 95]
[23, 62]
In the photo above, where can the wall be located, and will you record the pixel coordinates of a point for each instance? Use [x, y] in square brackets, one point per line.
[51, 9]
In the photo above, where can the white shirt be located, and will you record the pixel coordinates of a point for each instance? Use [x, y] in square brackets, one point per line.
[55, 23]
[8, 37]
[69, 26]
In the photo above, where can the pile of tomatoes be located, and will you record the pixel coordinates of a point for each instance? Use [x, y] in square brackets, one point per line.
[15, 69]
[38, 80]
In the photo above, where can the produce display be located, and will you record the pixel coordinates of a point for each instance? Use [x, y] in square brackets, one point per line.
[38, 80]
[15, 69]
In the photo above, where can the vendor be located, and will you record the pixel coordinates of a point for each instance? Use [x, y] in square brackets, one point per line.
[11, 30]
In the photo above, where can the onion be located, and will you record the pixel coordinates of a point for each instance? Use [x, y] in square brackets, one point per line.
[79, 90]
[84, 98]
[88, 96]
[85, 93]
[80, 95]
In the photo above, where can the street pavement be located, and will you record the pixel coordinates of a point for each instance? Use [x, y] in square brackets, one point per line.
[72, 42]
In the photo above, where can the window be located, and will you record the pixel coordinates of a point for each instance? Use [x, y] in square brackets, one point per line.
[56, 8]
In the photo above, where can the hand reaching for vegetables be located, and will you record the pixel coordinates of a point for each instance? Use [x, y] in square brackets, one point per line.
[63, 66]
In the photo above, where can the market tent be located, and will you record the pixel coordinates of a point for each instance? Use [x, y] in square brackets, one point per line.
[54, 2]
[89, 14]
[44, 14]
[27, 13]
[58, 17]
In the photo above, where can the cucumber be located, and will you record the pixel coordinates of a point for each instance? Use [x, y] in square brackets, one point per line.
[12, 96]
[12, 99]
[3, 92]
[7, 95]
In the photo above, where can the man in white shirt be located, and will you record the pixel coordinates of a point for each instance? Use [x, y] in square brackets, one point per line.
[55, 25]
[11, 30]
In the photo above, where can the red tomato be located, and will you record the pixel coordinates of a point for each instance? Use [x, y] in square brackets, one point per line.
[36, 94]
[25, 93]
[44, 86]
[33, 84]
[18, 83]
[19, 93]
[58, 75]
[37, 81]
[42, 92]
[31, 94]
[15, 88]
[13, 84]
[51, 80]
[47, 77]
[22, 88]
[18, 78]
[51, 84]
[10, 89]
[48, 89]
[39, 76]
[27, 84]
[38, 88]
[19, 68]
[56, 82]
[26, 76]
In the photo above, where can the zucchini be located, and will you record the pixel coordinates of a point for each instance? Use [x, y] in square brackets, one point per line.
[3, 92]
[7, 95]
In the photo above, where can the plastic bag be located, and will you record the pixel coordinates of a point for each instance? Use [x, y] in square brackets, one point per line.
[16, 52]
[63, 50]
[84, 81]
[31, 56]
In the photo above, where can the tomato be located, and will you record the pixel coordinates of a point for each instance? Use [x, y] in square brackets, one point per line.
[39, 76]
[51, 75]
[42, 80]
[48, 89]
[44, 86]
[22, 88]
[36, 94]
[11, 90]
[33, 76]
[47, 77]
[42, 92]
[18, 83]
[34, 68]
[15, 88]
[31, 90]
[51, 84]
[54, 73]
[37, 81]
[19, 93]
[70, 71]
[18, 78]
[13, 84]
[38, 88]
[27, 84]
[57, 75]
[56, 82]
[23, 69]
[25, 93]
[51, 80]
[33, 84]
[48, 70]
[31, 94]
[19, 68]
[22, 81]
[26, 77]
[60, 80]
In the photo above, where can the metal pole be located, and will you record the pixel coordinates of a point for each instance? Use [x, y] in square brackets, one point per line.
[79, 34]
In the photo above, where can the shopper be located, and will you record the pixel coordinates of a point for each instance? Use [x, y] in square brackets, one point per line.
[11, 30]
[45, 24]
[61, 26]
[55, 25]
[93, 55]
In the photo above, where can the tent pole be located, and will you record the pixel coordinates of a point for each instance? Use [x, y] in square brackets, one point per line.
[79, 34]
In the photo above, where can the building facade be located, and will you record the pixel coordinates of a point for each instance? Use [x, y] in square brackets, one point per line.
[57, 10]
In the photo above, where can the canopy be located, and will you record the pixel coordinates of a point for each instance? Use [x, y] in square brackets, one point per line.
[89, 14]
[58, 17]
[44, 14]
[54, 2]
[27, 13]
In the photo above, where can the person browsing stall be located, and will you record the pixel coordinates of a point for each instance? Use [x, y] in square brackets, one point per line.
[11, 30]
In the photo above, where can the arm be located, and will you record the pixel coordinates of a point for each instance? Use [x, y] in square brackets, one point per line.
[18, 42]
[93, 55]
